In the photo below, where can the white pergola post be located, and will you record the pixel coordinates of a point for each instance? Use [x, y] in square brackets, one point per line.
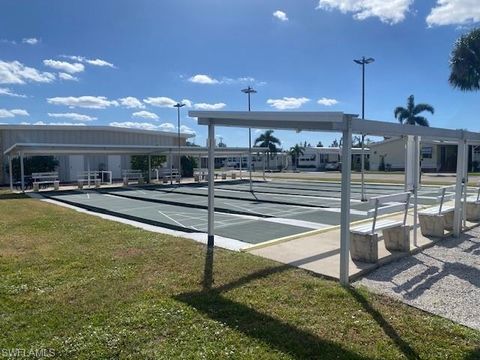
[465, 188]
[10, 172]
[345, 204]
[457, 219]
[264, 164]
[240, 168]
[362, 165]
[149, 169]
[22, 173]
[88, 169]
[415, 172]
[250, 165]
[171, 166]
[211, 186]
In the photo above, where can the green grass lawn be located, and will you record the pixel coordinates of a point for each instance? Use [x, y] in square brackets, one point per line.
[83, 287]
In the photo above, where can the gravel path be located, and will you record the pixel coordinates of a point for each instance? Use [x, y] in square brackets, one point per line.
[443, 280]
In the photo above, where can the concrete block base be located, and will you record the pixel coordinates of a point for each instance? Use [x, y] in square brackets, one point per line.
[397, 238]
[178, 180]
[364, 247]
[224, 176]
[36, 187]
[197, 178]
[432, 225]
[234, 176]
[125, 181]
[141, 181]
[80, 184]
[165, 180]
[97, 183]
[448, 220]
[473, 211]
[56, 185]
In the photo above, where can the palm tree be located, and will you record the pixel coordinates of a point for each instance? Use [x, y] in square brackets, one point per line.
[267, 140]
[295, 152]
[465, 62]
[410, 114]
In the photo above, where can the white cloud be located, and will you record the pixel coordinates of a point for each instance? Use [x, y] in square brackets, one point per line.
[146, 115]
[72, 116]
[95, 62]
[186, 130]
[15, 72]
[187, 103]
[64, 66]
[280, 15]
[131, 102]
[287, 103]
[65, 76]
[204, 106]
[8, 92]
[30, 41]
[388, 11]
[160, 101]
[89, 102]
[54, 123]
[203, 79]
[144, 126]
[99, 62]
[4, 113]
[327, 102]
[454, 12]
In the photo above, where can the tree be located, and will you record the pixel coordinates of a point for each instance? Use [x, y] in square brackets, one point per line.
[267, 140]
[188, 163]
[319, 144]
[33, 164]
[140, 162]
[334, 143]
[465, 62]
[410, 114]
[295, 152]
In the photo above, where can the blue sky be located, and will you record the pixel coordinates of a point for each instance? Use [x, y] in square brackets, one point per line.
[125, 62]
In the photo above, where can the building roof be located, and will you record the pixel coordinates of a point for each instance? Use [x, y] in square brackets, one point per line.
[92, 128]
[83, 149]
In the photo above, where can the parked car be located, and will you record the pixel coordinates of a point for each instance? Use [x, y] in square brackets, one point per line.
[332, 166]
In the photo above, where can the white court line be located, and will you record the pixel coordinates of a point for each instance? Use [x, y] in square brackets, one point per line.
[175, 221]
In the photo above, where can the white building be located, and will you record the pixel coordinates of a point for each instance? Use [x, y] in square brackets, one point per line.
[71, 165]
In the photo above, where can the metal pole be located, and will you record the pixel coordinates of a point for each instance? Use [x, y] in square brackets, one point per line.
[179, 158]
[264, 163]
[416, 172]
[10, 171]
[211, 185]
[149, 169]
[240, 168]
[22, 173]
[457, 219]
[88, 169]
[345, 204]
[362, 161]
[171, 167]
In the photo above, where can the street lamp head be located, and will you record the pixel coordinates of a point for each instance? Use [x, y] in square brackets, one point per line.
[364, 61]
[249, 90]
[179, 105]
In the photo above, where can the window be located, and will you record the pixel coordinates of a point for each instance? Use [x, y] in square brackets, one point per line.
[427, 152]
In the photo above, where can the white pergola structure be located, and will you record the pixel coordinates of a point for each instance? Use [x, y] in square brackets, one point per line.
[22, 150]
[347, 124]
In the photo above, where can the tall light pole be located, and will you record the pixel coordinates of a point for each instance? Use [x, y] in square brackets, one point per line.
[363, 61]
[249, 90]
[178, 106]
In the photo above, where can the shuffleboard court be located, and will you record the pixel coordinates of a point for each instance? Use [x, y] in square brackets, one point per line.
[318, 217]
[251, 229]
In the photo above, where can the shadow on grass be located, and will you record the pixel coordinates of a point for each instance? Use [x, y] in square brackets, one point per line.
[278, 334]
[286, 338]
[12, 196]
[388, 329]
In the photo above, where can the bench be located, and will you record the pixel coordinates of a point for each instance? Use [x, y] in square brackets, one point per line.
[201, 174]
[472, 207]
[42, 179]
[136, 175]
[165, 174]
[396, 233]
[435, 220]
